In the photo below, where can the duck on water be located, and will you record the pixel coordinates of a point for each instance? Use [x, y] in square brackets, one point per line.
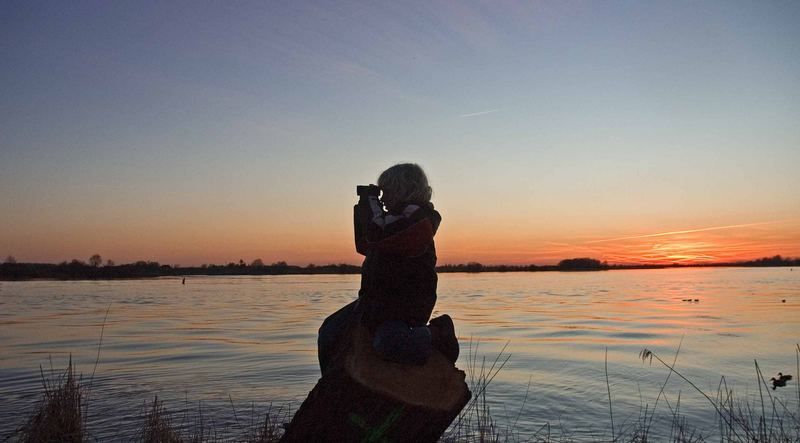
[780, 381]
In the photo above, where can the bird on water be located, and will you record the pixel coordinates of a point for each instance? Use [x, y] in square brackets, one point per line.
[780, 381]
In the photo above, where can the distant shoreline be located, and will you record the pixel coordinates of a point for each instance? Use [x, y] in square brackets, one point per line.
[77, 270]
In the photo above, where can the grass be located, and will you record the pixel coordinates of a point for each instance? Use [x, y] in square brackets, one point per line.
[475, 422]
[60, 416]
[158, 427]
[768, 420]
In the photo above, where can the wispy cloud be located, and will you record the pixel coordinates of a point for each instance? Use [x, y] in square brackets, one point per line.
[687, 231]
[475, 114]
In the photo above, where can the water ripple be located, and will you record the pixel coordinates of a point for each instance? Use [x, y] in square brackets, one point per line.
[253, 339]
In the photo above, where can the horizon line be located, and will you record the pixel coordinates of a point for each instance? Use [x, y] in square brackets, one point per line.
[282, 263]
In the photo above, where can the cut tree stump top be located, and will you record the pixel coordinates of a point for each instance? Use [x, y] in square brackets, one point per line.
[362, 398]
[437, 384]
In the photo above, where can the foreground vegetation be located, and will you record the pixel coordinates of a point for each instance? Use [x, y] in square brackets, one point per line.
[61, 416]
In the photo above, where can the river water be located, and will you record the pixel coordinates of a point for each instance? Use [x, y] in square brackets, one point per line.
[233, 345]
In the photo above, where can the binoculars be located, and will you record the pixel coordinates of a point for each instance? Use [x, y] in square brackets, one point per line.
[368, 191]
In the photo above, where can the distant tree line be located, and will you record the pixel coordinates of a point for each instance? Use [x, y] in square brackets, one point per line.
[572, 264]
[477, 267]
[582, 264]
[76, 269]
[774, 261]
[94, 268]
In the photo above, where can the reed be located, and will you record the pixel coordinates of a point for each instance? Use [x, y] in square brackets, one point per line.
[766, 420]
[158, 426]
[61, 414]
[475, 422]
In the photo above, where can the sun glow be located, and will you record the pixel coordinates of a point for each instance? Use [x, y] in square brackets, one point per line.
[701, 245]
[697, 246]
[683, 252]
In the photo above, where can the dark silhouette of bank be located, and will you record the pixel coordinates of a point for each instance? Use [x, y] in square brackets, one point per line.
[75, 269]
[582, 264]
[79, 270]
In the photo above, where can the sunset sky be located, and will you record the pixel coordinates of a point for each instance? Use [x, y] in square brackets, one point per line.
[192, 132]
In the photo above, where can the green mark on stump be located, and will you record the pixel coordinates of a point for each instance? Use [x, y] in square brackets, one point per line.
[375, 434]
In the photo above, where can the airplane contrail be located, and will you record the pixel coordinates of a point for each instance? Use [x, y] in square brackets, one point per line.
[661, 234]
[475, 114]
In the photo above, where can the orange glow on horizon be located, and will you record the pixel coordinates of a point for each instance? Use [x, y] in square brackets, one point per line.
[716, 244]
[457, 242]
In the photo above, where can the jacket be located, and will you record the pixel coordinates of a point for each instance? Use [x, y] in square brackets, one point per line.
[398, 276]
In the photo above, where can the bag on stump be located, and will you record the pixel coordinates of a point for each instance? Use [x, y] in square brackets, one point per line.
[364, 398]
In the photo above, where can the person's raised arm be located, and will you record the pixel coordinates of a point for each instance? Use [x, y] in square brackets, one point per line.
[364, 213]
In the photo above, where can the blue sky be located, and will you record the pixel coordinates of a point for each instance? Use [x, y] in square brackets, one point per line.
[192, 132]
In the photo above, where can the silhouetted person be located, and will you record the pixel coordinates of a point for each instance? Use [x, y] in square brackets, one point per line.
[398, 277]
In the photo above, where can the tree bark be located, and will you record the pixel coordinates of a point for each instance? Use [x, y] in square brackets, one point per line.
[365, 398]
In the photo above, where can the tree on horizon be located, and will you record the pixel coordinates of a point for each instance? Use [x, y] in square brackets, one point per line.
[581, 263]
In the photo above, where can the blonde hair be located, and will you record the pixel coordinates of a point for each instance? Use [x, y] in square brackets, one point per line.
[408, 183]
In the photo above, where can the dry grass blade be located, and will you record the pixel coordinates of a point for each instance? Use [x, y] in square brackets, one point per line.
[271, 429]
[647, 354]
[157, 426]
[475, 422]
[608, 388]
[96, 362]
[661, 391]
[59, 414]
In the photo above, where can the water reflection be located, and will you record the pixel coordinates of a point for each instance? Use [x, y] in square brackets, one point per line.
[254, 339]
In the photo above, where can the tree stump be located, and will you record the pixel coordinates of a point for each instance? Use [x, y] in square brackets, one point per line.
[365, 398]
